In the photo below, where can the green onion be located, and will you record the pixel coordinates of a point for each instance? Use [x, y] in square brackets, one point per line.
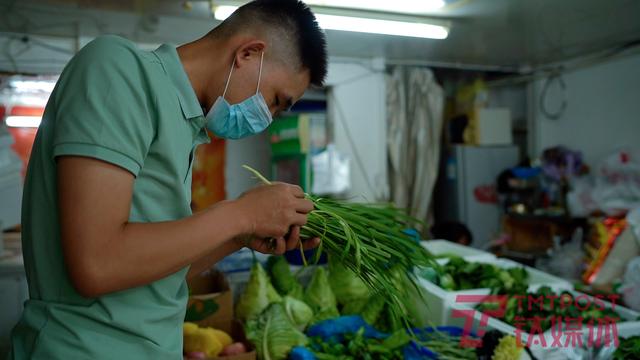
[369, 240]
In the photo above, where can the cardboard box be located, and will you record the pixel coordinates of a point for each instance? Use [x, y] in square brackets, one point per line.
[211, 305]
[210, 299]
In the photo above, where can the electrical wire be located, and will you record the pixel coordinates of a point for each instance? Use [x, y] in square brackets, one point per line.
[543, 96]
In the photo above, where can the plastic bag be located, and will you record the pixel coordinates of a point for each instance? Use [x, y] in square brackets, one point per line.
[331, 175]
[631, 284]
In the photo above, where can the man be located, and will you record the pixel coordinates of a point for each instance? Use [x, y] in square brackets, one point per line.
[108, 235]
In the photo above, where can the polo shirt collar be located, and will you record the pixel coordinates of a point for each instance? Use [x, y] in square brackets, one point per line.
[170, 60]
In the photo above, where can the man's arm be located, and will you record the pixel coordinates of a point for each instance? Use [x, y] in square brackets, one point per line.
[105, 253]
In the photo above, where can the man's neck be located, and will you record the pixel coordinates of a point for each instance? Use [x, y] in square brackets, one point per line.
[206, 61]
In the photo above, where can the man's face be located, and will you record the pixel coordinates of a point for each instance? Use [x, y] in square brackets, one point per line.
[280, 85]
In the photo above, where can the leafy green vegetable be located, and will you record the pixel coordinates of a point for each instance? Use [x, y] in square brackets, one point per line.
[367, 239]
[373, 309]
[299, 313]
[459, 274]
[357, 346]
[346, 285]
[282, 278]
[629, 348]
[354, 307]
[273, 334]
[318, 293]
[325, 314]
[257, 295]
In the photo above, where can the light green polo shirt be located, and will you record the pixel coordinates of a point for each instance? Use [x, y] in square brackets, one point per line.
[137, 110]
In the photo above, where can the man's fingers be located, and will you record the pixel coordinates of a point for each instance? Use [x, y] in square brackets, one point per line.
[311, 243]
[281, 246]
[294, 238]
[296, 191]
[304, 206]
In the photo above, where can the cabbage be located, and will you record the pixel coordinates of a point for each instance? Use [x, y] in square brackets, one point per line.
[282, 279]
[372, 310]
[258, 294]
[346, 285]
[325, 314]
[319, 294]
[298, 312]
[273, 335]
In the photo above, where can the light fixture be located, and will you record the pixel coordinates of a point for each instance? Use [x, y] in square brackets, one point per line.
[355, 23]
[396, 6]
[224, 11]
[32, 85]
[379, 26]
[23, 121]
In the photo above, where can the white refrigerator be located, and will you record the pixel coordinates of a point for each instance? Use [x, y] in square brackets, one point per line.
[467, 191]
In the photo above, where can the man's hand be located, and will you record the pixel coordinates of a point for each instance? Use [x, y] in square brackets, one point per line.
[275, 214]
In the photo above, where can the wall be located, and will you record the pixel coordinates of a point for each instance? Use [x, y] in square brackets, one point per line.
[602, 114]
[357, 113]
[254, 151]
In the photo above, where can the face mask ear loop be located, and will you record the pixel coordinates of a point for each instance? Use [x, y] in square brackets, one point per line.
[226, 86]
[260, 72]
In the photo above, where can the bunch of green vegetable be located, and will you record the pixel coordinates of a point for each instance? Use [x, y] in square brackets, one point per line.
[368, 239]
[357, 346]
[553, 306]
[629, 348]
[459, 274]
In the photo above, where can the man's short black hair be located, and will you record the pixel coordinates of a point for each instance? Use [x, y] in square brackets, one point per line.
[293, 22]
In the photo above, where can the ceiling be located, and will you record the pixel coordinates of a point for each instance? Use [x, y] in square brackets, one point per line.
[502, 33]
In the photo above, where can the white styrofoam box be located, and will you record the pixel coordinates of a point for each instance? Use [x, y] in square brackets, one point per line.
[440, 301]
[494, 126]
[444, 247]
[627, 323]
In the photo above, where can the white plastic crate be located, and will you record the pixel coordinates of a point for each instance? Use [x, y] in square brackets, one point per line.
[444, 247]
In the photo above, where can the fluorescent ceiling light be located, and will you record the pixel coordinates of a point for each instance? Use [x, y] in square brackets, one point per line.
[365, 25]
[224, 11]
[32, 85]
[399, 6]
[23, 121]
[377, 26]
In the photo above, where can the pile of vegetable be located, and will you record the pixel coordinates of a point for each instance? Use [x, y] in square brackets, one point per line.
[276, 310]
[498, 346]
[459, 274]
[629, 348]
[207, 342]
[357, 346]
[553, 306]
[368, 239]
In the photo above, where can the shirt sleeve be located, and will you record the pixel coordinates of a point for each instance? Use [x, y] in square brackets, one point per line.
[102, 106]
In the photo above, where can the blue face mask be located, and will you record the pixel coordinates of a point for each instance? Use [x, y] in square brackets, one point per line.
[237, 121]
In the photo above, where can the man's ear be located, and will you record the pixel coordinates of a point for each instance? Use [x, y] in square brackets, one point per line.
[249, 52]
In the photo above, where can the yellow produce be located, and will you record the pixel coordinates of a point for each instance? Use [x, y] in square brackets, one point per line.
[189, 328]
[207, 340]
[223, 337]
